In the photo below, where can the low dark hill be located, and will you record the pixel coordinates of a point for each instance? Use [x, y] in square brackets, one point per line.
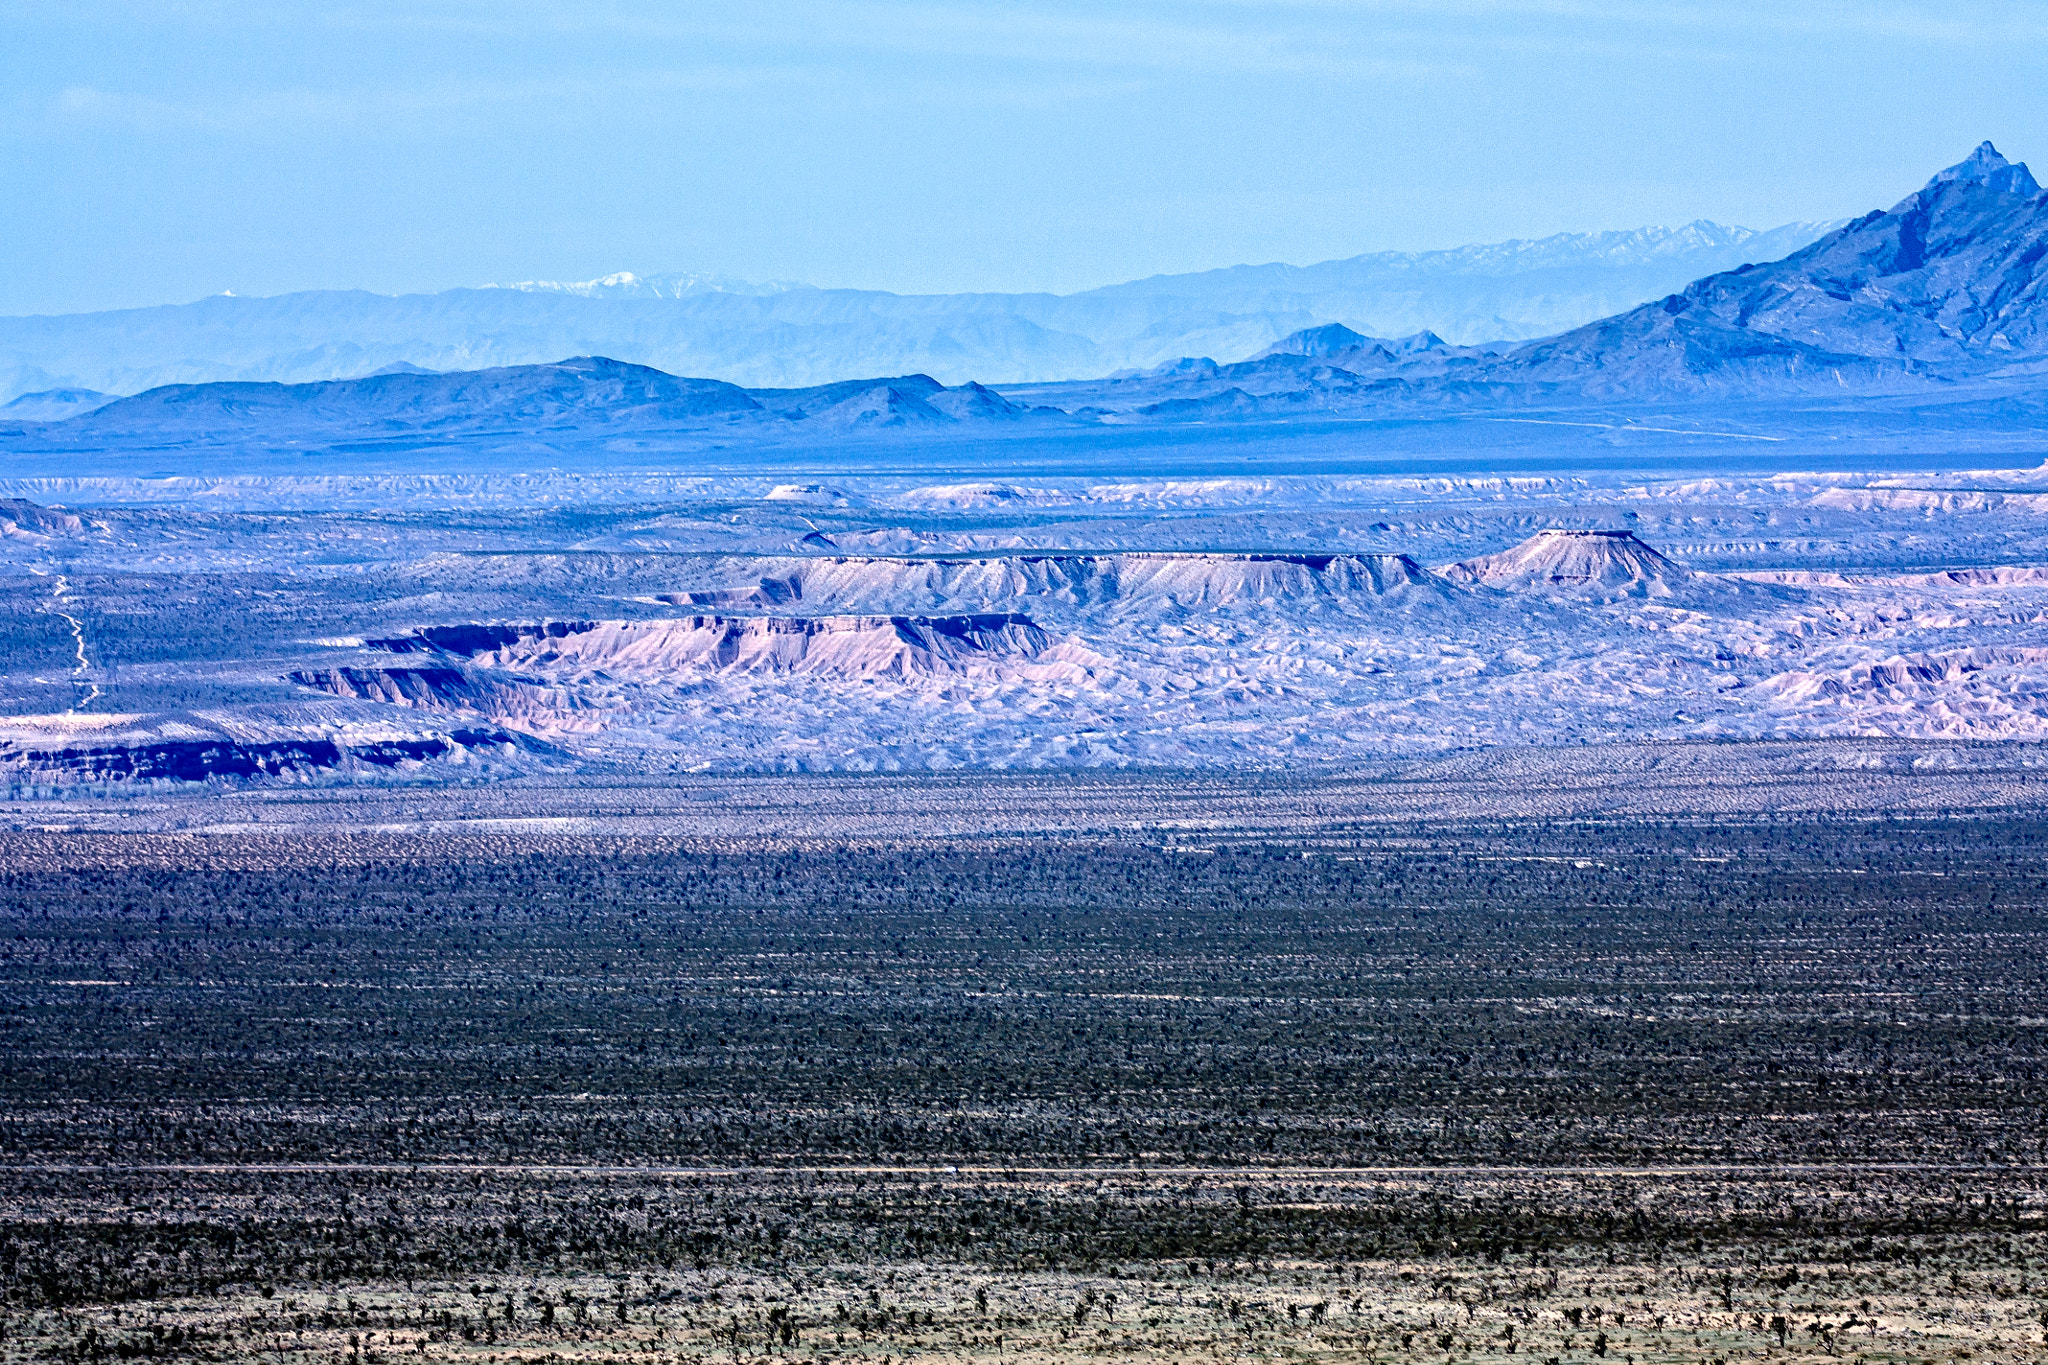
[823, 398]
[589, 395]
[586, 391]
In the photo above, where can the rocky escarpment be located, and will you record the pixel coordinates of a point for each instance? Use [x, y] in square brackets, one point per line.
[768, 592]
[514, 702]
[558, 678]
[19, 516]
[465, 639]
[849, 646]
[1139, 582]
[221, 758]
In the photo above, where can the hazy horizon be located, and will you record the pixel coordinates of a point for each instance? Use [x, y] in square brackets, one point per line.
[725, 278]
[157, 156]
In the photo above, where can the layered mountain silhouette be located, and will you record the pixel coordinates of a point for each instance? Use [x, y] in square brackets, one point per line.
[586, 394]
[1945, 287]
[1947, 283]
[1334, 340]
[1943, 291]
[53, 405]
[785, 334]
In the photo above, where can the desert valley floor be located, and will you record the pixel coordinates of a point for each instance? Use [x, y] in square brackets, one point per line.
[1705, 1090]
[1401, 919]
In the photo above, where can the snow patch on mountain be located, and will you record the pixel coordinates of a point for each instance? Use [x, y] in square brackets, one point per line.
[782, 334]
[624, 284]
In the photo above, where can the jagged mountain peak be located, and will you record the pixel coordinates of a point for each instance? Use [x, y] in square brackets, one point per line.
[1949, 283]
[1986, 167]
[1418, 344]
[1334, 339]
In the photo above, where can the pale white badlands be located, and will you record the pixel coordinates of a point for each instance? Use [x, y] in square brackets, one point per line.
[1569, 637]
[1103, 624]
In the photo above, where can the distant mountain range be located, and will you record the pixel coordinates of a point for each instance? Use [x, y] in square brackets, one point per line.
[1950, 283]
[586, 396]
[1946, 290]
[791, 335]
[1948, 286]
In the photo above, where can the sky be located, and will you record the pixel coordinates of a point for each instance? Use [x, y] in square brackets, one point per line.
[156, 153]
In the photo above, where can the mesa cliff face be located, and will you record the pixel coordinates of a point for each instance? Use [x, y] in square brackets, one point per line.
[1132, 582]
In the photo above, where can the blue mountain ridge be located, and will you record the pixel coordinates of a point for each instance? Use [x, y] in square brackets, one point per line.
[1947, 284]
[584, 391]
[792, 335]
[53, 405]
[1943, 289]
[583, 395]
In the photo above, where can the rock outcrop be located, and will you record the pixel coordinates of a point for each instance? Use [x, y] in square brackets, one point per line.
[1605, 562]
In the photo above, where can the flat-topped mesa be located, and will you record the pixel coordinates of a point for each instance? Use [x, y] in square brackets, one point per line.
[179, 746]
[1601, 561]
[1132, 580]
[650, 651]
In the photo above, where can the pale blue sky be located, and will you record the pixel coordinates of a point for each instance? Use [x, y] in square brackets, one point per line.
[158, 152]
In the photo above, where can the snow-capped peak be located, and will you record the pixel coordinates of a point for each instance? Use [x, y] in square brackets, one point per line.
[626, 284]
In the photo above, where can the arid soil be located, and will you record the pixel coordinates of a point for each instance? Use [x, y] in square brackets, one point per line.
[1591, 1092]
[1962, 1296]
